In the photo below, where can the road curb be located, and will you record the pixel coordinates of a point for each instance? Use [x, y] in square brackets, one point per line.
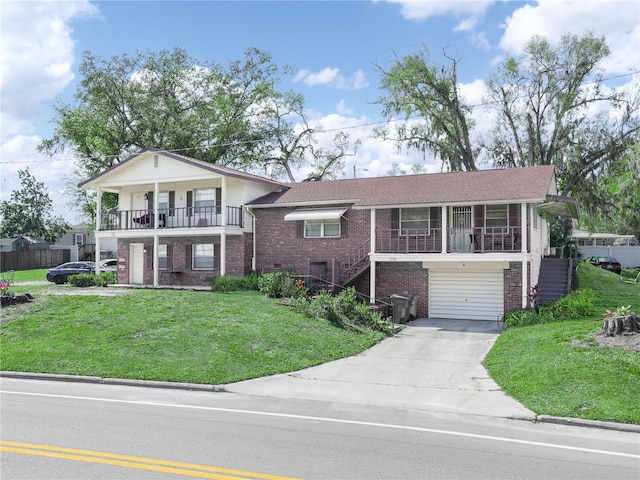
[576, 422]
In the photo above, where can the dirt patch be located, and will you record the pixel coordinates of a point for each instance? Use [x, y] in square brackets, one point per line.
[628, 341]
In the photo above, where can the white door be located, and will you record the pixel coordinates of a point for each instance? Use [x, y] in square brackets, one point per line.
[460, 232]
[466, 293]
[136, 264]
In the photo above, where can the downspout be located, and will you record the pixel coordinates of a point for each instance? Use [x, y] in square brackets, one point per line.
[253, 236]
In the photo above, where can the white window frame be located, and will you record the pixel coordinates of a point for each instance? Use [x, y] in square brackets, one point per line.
[415, 230]
[534, 218]
[199, 252]
[80, 237]
[494, 214]
[323, 230]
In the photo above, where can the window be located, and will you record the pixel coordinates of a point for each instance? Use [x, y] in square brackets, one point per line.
[415, 221]
[534, 216]
[79, 239]
[322, 228]
[497, 218]
[205, 200]
[162, 257]
[202, 258]
[163, 201]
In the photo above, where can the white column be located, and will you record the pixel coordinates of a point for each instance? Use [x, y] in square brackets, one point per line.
[223, 205]
[98, 215]
[156, 274]
[372, 282]
[223, 253]
[373, 230]
[523, 227]
[156, 215]
[443, 215]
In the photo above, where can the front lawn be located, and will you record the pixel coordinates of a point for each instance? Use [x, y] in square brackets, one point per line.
[558, 369]
[169, 335]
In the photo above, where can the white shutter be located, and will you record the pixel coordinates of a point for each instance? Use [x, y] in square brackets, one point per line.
[466, 294]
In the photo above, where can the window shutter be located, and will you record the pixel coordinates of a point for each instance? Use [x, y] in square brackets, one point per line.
[187, 256]
[172, 203]
[150, 200]
[190, 203]
[216, 256]
[434, 217]
[344, 232]
[218, 201]
[479, 215]
[514, 213]
[300, 228]
[169, 257]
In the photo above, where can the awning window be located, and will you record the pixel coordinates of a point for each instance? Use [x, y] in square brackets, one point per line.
[326, 214]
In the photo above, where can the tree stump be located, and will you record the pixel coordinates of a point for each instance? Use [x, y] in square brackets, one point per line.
[612, 326]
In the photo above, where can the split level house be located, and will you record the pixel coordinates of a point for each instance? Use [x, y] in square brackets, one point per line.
[466, 245]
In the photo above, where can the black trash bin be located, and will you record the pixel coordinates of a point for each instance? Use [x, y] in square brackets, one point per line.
[401, 308]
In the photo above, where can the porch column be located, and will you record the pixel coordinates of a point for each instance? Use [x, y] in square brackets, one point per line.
[98, 209]
[524, 225]
[372, 283]
[223, 203]
[223, 253]
[525, 283]
[156, 215]
[156, 274]
[372, 223]
[443, 216]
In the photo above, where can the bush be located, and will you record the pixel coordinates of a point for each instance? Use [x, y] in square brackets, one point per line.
[281, 284]
[576, 305]
[344, 309]
[227, 283]
[91, 280]
[250, 282]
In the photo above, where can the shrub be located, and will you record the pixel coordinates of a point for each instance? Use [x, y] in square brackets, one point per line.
[344, 309]
[227, 283]
[281, 284]
[576, 305]
[106, 278]
[82, 280]
[250, 282]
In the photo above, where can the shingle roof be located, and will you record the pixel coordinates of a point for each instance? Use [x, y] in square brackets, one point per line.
[481, 186]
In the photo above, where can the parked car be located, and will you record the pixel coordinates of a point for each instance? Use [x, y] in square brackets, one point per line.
[622, 242]
[109, 265]
[608, 263]
[60, 274]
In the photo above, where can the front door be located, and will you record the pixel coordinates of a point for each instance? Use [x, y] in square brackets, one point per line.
[460, 233]
[136, 264]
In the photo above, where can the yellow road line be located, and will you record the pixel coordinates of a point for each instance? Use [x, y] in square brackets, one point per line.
[142, 463]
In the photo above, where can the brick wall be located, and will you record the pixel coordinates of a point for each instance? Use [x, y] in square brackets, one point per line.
[238, 258]
[279, 244]
[401, 277]
[513, 287]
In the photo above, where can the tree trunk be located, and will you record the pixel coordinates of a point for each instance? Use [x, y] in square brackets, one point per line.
[612, 326]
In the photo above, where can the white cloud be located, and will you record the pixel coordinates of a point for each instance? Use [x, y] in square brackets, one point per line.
[470, 12]
[331, 77]
[36, 54]
[617, 20]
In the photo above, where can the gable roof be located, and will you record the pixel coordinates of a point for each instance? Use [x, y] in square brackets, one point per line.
[229, 172]
[481, 186]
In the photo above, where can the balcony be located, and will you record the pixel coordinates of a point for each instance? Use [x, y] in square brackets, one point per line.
[459, 240]
[184, 217]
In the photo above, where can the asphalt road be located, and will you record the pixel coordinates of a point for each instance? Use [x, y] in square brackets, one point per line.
[60, 430]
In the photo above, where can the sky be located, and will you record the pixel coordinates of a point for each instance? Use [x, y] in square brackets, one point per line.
[331, 45]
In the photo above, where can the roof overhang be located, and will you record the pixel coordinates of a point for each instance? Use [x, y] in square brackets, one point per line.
[317, 214]
[560, 206]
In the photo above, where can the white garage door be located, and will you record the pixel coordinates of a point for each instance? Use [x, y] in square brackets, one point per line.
[472, 294]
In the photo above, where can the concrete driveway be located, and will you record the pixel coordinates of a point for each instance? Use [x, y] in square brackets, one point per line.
[432, 365]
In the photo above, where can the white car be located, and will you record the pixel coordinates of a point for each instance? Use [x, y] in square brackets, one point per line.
[109, 265]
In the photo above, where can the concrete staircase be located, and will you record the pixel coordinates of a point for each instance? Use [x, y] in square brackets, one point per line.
[555, 279]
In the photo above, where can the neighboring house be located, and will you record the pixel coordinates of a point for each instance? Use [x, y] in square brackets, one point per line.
[24, 243]
[179, 220]
[591, 239]
[80, 241]
[468, 244]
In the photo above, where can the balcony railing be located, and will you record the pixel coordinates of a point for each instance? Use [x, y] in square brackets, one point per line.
[459, 240]
[183, 217]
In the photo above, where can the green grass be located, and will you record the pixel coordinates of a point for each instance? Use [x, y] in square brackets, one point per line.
[543, 368]
[181, 336]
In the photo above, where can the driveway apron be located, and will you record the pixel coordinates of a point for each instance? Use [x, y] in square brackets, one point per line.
[431, 365]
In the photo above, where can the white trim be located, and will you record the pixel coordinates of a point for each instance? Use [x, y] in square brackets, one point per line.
[325, 214]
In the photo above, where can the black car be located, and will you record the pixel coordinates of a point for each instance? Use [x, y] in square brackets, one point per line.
[608, 263]
[60, 274]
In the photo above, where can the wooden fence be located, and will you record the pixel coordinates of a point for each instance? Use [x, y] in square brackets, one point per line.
[27, 260]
